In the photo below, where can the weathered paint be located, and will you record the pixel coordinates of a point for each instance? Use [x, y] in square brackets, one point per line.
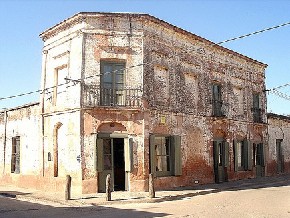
[278, 129]
[172, 70]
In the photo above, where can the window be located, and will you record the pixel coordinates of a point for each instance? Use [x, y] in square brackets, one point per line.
[162, 153]
[165, 155]
[15, 157]
[59, 88]
[257, 116]
[112, 83]
[243, 155]
[217, 100]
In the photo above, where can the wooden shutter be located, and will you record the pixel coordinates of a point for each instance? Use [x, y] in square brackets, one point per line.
[245, 154]
[95, 151]
[262, 154]
[176, 145]
[216, 160]
[100, 155]
[152, 154]
[235, 154]
[226, 156]
[17, 155]
[250, 155]
[128, 148]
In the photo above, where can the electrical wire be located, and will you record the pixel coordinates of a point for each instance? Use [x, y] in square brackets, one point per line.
[79, 80]
[253, 33]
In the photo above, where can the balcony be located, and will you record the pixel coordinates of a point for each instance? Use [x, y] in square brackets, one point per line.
[94, 96]
[217, 108]
[257, 115]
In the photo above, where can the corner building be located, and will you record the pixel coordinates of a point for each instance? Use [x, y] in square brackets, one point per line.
[129, 94]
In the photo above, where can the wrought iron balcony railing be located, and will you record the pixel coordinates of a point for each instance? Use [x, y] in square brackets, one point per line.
[257, 115]
[217, 108]
[95, 96]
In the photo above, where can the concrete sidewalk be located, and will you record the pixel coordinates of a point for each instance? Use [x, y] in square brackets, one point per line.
[38, 196]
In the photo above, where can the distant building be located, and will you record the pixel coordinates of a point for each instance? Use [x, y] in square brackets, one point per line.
[278, 158]
[130, 94]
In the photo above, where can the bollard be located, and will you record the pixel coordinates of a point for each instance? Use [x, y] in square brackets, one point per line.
[68, 188]
[108, 188]
[151, 186]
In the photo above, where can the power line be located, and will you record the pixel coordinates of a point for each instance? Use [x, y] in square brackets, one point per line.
[280, 94]
[279, 87]
[253, 33]
[75, 81]
[78, 80]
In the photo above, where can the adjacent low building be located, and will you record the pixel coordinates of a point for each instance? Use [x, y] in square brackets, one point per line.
[278, 158]
[128, 95]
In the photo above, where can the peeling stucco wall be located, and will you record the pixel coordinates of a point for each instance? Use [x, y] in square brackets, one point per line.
[278, 129]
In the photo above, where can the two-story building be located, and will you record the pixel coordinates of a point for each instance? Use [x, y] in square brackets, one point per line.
[130, 94]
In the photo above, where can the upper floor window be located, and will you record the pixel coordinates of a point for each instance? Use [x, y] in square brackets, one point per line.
[59, 88]
[15, 156]
[112, 83]
[217, 100]
[257, 112]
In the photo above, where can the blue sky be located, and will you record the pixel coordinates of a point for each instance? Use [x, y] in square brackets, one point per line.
[217, 20]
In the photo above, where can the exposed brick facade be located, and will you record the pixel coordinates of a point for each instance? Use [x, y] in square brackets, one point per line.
[167, 90]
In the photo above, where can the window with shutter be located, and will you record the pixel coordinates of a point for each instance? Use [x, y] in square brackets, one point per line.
[165, 155]
[257, 112]
[15, 156]
[217, 100]
[242, 155]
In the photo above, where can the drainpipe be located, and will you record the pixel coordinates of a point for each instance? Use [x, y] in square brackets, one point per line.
[42, 105]
[5, 137]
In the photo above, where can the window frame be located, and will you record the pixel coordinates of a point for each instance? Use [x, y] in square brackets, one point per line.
[217, 101]
[15, 155]
[174, 158]
[256, 109]
[113, 91]
[247, 161]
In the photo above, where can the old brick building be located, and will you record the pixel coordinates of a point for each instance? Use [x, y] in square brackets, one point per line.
[130, 94]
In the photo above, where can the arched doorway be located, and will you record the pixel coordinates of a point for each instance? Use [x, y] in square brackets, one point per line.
[112, 150]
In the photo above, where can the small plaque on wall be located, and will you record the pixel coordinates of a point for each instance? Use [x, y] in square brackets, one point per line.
[162, 119]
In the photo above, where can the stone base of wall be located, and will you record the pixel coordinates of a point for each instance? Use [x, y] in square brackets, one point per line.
[51, 184]
[89, 186]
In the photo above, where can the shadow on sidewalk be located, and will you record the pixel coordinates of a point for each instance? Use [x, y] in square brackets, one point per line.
[12, 208]
[255, 183]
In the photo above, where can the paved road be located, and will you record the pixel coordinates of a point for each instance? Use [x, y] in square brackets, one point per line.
[255, 200]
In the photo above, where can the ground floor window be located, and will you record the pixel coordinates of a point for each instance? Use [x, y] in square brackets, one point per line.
[242, 155]
[165, 159]
[15, 156]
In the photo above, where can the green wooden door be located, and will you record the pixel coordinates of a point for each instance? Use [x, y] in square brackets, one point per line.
[113, 157]
[260, 162]
[104, 162]
[221, 160]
